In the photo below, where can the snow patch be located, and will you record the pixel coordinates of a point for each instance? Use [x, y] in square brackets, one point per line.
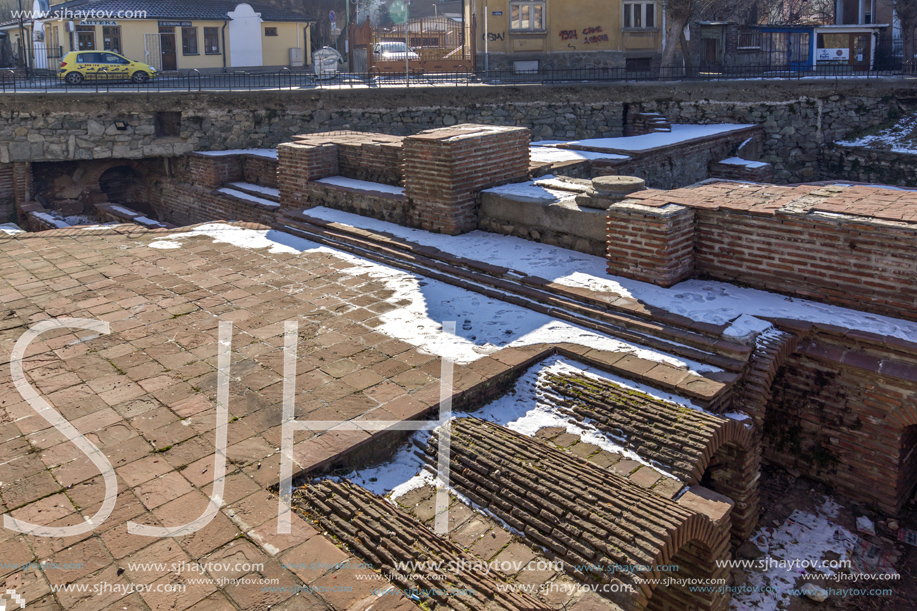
[548, 154]
[743, 162]
[680, 133]
[246, 196]
[257, 188]
[717, 303]
[362, 185]
[269, 153]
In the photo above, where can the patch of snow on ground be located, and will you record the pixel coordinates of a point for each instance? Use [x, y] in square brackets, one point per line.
[743, 162]
[124, 210]
[52, 220]
[11, 228]
[718, 303]
[256, 188]
[246, 196]
[802, 538]
[525, 409]
[484, 325]
[362, 185]
[532, 191]
[680, 133]
[548, 154]
[899, 138]
[746, 327]
[269, 153]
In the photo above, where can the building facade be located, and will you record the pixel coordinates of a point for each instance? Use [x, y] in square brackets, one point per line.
[205, 35]
[543, 34]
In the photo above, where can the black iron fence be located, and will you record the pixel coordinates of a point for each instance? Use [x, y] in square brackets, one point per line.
[22, 81]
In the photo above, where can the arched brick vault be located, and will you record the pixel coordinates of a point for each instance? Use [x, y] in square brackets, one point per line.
[92, 177]
[691, 444]
[590, 517]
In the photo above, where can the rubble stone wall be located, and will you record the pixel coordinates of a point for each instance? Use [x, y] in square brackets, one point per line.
[798, 117]
[869, 165]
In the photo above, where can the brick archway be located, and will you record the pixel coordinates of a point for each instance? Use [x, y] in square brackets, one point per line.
[695, 547]
[93, 176]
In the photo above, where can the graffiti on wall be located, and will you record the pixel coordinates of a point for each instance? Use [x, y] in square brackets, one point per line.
[591, 35]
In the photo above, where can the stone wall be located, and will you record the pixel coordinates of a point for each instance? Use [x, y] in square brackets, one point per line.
[843, 412]
[797, 126]
[869, 165]
[679, 165]
[561, 224]
[798, 117]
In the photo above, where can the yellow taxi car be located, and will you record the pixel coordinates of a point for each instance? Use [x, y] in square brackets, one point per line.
[78, 66]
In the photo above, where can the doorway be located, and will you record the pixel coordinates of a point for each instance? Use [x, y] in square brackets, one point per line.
[860, 51]
[86, 38]
[167, 48]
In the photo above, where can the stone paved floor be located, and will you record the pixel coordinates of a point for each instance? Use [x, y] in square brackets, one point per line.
[145, 396]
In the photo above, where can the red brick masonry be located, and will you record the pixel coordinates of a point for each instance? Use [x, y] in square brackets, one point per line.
[849, 246]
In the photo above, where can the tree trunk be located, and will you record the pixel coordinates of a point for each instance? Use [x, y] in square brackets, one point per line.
[676, 26]
[907, 29]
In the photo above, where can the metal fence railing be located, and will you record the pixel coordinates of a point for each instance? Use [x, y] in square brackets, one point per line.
[20, 81]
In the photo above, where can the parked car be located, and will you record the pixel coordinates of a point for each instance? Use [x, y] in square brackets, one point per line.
[393, 51]
[78, 66]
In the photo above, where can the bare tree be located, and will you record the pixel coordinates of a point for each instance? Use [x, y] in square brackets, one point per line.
[680, 13]
[794, 12]
[907, 14]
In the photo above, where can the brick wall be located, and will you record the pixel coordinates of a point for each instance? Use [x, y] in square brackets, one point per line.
[23, 191]
[365, 156]
[210, 171]
[186, 205]
[7, 197]
[650, 244]
[297, 164]
[858, 263]
[838, 414]
[731, 171]
[844, 246]
[384, 206]
[445, 169]
[259, 170]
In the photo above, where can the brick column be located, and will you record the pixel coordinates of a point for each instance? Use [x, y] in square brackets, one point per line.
[445, 169]
[22, 182]
[650, 244]
[297, 164]
[211, 171]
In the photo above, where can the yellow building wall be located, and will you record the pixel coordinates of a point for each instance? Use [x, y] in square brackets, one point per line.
[570, 25]
[275, 49]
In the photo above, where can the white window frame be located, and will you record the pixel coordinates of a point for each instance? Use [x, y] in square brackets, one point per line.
[629, 9]
[531, 4]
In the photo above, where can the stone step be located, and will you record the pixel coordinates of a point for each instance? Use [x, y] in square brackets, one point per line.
[268, 193]
[527, 291]
[248, 197]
